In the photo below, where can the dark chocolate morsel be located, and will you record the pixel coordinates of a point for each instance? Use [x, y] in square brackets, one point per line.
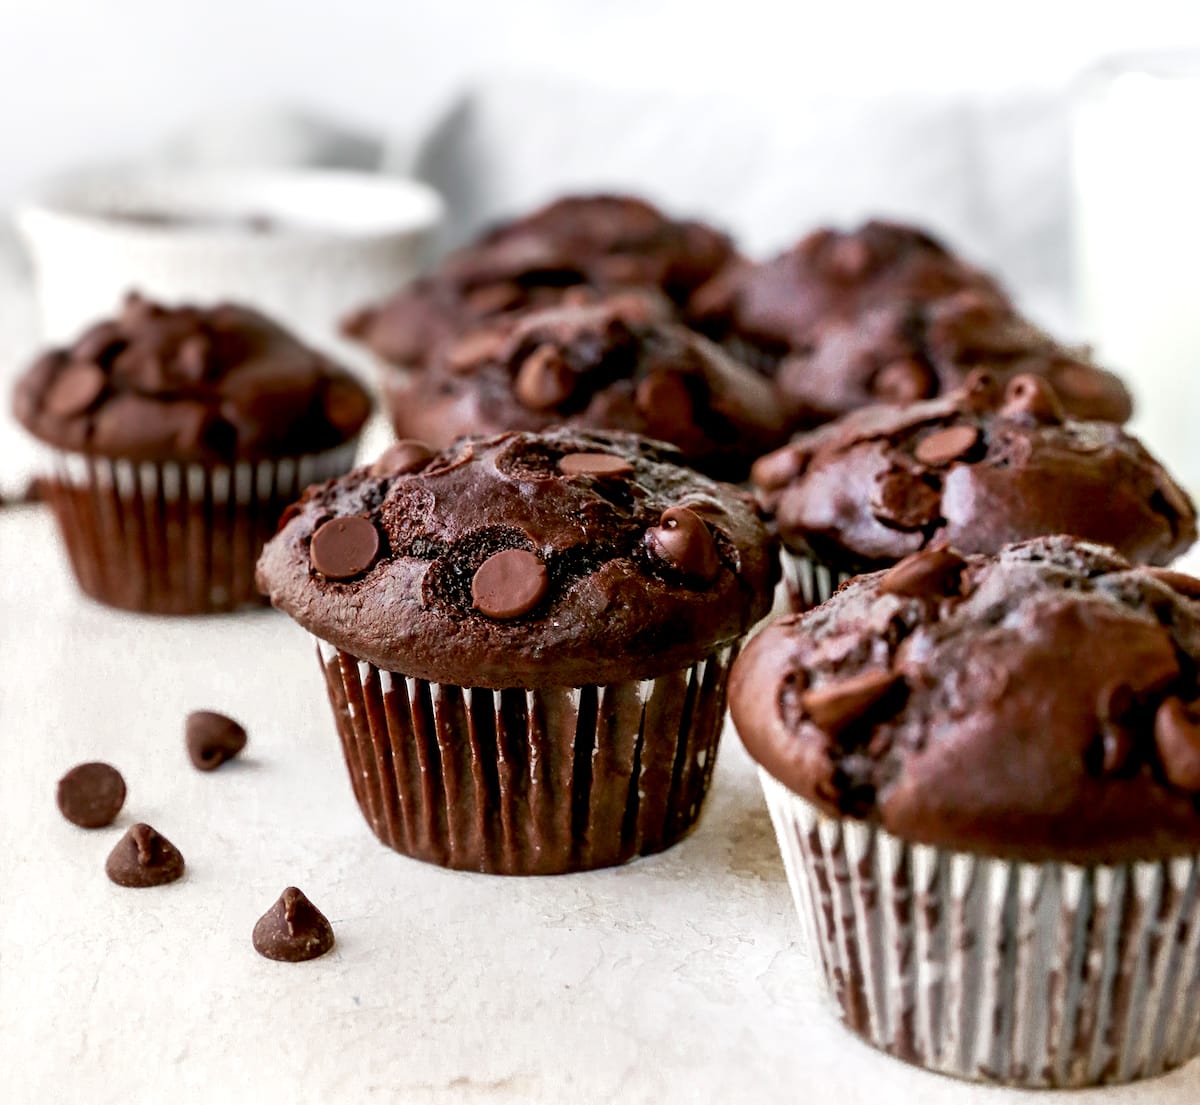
[834, 706]
[1032, 396]
[476, 346]
[144, 858]
[401, 458]
[212, 739]
[76, 389]
[293, 929]
[1180, 582]
[346, 405]
[980, 391]
[91, 795]
[848, 258]
[343, 548]
[509, 584]
[594, 464]
[544, 379]
[903, 381]
[683, 540]
[947, 445]
[1177, 738]
[664, 400]
[1113, 709]
[905, 500]
[930, 573]
[776, 470]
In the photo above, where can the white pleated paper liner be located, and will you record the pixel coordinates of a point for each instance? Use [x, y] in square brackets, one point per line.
[1035, 975]
[172, 538]
[806, 583]
[528, 782]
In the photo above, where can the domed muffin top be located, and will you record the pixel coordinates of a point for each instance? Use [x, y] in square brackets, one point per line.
[978, 468]
[617, 363]
[1042, 704]
[187, 383]
[524, 560]
[603, 242]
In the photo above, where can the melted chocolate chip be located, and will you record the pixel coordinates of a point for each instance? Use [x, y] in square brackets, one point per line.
[1180, 582]
[848, 258]
[905, 500]
[401, 458]
[979, 392]
[293, 930]
[1033, 397]
[666, 403]
[91, 795]
[683, 540]
[1114, 707]
[903, 381]
[1177, 737]
[594, 464]
[75, 390]
[930, 573]
[509, 584]
[468, 351]
[212, 739]
[144, 858]
[544, 379]
[833, 707]
[776, 470]
[343, 548]
[947, 445]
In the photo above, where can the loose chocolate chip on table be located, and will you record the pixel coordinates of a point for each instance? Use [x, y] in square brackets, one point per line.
[683, 540]
[212, 739]
[293, 929]
[929, 573]
[1031, 395]
[544, 380]
[76, 389]
[903, 381]
[947, 445]
[401, 458]
[144, 858]
[509, 584]
[1177, 737]
[594, 464]
[91, 795]
[344, 547]
[831, 707]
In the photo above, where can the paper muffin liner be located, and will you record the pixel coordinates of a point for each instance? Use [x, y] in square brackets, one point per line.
[1036, 975]
[528, 782]
[806, 583]
[172, 538]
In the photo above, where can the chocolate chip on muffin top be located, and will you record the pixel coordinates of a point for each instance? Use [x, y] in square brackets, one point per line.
[559, 559]
[978, 468]
[1041, 704]
[611, 364]
[183, 383]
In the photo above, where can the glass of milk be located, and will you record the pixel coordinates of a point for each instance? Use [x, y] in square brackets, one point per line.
[1136, 177]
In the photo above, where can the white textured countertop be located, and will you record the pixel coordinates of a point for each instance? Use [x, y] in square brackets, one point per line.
[679, 978]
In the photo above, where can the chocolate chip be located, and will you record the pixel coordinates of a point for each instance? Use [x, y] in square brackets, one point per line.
[1177, 737]
[1114, 708]
[468, 351]
[91, 795]
[1032, 396]
[594, 464]
[347, 406]
[979, 392]
[929, 573]
[76, 389]
[903, 381]
[343, 548]
[833, 707]
[776, 470]
[191, 360]
[293, 929]
[544, 380]
[666, 403]
[1180, 582]
[905, 500]
[683, 540]
[212, 739]
[144, 858]
[946, 445]
[491, 299]
[509, 584]
[401, 458]
[98, 344]
[848, 258]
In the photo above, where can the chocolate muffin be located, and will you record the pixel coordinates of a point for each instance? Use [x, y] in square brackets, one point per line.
[178, 435]
[978, 468]
[526, 640]
[601, 242]
[617, 363]
[886, 314]
[984, 772]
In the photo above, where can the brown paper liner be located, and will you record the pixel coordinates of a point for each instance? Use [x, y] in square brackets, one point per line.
[528, 782]
[166, 538]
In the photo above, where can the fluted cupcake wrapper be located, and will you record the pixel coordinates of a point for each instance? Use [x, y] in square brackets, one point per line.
[806, 583]
[1036, 975]
[171, 538]
[528, 782]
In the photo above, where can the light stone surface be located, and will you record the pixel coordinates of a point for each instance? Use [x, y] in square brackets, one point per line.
[679, 978]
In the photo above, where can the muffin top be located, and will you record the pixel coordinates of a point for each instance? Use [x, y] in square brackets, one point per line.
[619, 363]
[604, 242]
[524, 560]
[830, 274]
[188, 383]
[1042, 704]
[978, 468]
